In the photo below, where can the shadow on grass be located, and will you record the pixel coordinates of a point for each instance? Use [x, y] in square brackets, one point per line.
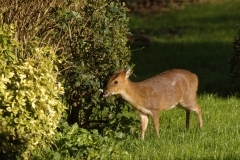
[208, 60]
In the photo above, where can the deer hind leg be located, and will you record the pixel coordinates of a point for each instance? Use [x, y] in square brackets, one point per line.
[155, 118]
[144, 123]
[187, 117]
[198, 110]
[193, 107]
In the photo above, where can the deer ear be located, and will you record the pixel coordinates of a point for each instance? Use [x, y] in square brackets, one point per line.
[128, 73]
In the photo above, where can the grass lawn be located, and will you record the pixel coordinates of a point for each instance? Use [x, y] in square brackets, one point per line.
[197, 38]
[219, 139]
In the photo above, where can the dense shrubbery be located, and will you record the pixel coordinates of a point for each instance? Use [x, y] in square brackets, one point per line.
[78, 143]
[94, 36]
[235, 58]
[153, 5]
[29, 97]
[88, 40]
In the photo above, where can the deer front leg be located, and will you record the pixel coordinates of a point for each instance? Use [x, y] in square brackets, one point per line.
[187, 117]
[144, 123]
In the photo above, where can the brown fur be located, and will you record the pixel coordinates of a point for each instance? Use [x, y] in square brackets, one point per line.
[161, 92]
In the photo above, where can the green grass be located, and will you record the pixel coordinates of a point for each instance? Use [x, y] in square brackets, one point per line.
[219, 139]
[198, 38]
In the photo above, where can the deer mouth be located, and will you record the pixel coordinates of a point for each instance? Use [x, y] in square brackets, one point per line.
[105, 95]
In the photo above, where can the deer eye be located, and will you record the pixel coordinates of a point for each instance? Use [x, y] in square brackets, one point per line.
[115, 82]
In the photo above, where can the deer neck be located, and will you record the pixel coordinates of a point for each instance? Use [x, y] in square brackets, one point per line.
[131, 92]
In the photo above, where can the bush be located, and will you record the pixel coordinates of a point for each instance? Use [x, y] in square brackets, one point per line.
[235, 58]
[30, 107]
[90, 38]
[74, 142]
[94, 39]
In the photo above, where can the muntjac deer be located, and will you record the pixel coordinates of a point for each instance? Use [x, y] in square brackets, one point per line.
[161, 92]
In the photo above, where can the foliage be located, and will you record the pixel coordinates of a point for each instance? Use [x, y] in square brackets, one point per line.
[32, 19]
[141, 6]
[78, 143]
[90, 38]
[235, 58]
[73, 142]
[30, 107]
[94, 39]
